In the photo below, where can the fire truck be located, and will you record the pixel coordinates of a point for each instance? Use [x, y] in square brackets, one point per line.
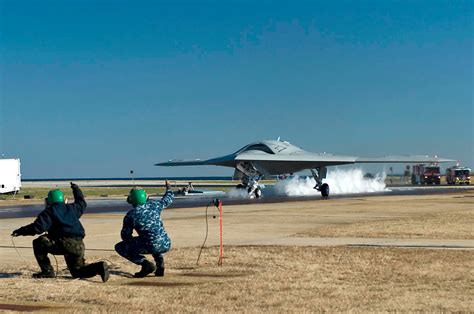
[426, 174]
[458, 175]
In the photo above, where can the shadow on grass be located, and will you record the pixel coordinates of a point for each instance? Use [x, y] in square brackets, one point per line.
[216, 275]
[10, 275]
[121, 273]
[159, 284]
[187, 268]
[22, 308]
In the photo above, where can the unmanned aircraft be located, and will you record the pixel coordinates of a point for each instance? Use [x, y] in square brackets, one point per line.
[270, 158]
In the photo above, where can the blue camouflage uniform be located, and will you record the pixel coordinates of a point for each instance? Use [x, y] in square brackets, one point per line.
[152, 237]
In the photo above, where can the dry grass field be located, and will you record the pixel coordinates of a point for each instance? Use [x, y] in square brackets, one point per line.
[271, 278]
[268, 279]
[453, 219]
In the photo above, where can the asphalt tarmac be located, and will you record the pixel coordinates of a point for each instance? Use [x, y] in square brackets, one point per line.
[120, 206]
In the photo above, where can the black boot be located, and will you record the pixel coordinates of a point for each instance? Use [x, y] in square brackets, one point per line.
[160, 266]
[160, 271]
[147, 268]
[45, 273]
[102, 270]
[91, 270]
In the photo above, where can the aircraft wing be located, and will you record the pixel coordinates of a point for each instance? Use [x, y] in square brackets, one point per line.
[228, 160]
[170, 163]
[403, 159]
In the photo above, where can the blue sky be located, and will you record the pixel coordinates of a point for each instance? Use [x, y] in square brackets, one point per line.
[96, 88]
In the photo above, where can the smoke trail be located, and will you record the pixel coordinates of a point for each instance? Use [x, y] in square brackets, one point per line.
[349, 181]
[238, 193]
[340, 182]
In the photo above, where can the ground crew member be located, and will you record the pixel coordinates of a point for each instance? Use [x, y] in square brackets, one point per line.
[64, 236]
[145, 218]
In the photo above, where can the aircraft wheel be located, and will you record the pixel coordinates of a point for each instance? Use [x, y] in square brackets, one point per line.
[258, 193]
[324, 190]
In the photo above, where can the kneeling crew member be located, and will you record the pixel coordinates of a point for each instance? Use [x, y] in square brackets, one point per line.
[145, 218]
[64, 236]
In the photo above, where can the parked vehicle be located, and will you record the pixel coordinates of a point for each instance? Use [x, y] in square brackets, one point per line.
[458, 175]
[10, 176]
[426, 174]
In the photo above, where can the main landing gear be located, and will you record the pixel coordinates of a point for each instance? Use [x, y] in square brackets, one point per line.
[319, 174]
[249, 179]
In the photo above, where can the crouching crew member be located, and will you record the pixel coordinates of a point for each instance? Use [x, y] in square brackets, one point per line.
[64, 236]
[145, 218]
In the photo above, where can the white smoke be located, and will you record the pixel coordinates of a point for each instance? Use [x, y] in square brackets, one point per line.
[238, 193]
[340, 182]
[353, 181]
[350, 181]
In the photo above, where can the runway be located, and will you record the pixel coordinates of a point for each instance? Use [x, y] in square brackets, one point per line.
[120, 206]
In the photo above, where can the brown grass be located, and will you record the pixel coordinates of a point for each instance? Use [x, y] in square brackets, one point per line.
[457, 225]
[268, 279]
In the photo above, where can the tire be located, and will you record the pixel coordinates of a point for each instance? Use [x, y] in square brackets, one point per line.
[324, 189]
[258, 193]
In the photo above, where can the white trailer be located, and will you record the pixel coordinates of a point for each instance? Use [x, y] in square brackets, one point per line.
[10, 175]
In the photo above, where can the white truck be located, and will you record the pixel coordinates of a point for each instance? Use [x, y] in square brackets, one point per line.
[10, 175]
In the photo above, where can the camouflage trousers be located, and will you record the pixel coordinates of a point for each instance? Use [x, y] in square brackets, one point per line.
[134, 249]
[73, 251]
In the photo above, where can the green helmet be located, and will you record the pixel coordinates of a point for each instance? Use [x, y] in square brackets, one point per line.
[137, 197]
[55, 196]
